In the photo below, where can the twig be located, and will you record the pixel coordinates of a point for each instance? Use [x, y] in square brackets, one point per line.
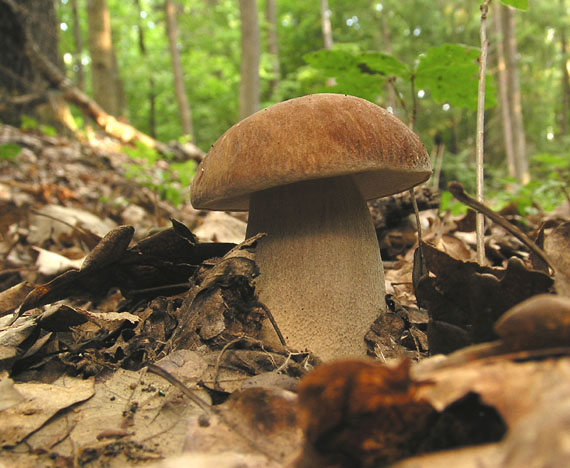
[418, 224]
[400, 100]
[209, 410]
[154, 369]
[458, 192]
[480, 140]
[412, 119]
[273, 322]
[219, 360]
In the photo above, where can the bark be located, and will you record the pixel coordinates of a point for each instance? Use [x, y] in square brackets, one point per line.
[565, 63]
[103, 62]
[272, 44]
[326, 25]
[250, 52]
[327, 32]
[151, 90]
[23, 89]
[504, 102]
[172, 33]
[77, 64]
[387, 45]
[513, 86]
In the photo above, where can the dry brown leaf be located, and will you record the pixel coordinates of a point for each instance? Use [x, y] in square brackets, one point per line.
[253, 422]
[12, 297]
[41, 402]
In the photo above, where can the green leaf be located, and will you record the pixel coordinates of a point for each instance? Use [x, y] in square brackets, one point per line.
[356, 84]
[384, 64]
[185, 171]
[332, 61]
[553, 160]
[9, 151]
[48, 130]
[520, 4]
[29, 123]
[449, 203]
[451, 72]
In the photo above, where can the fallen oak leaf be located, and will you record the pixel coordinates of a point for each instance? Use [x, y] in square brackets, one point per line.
[165, 258]
[471, 297]
[458, 192]
[360, 413]
[110, 248]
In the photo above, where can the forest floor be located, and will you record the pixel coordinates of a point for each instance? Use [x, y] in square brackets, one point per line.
[129, 334]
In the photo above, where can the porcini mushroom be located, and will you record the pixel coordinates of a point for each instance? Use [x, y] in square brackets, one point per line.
[304, 169]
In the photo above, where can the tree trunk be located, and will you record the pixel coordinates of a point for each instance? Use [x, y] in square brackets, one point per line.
[56, 78]
[504, 93]
[250, 51]
[391, 100]
[326, 25]
[23, 88]
[513, 86]
[151, 91]
[565, 63]
[77, 64]
[327, 32]
[172, 32]
[103, 62]
[272, 44]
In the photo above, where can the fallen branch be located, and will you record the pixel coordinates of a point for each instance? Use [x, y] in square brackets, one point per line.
[458, 192]
[124, 132]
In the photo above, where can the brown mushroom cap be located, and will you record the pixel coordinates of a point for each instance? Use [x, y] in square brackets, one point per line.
[311, 137]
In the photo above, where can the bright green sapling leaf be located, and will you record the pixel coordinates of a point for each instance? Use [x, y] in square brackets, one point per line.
[520, 4]
[450, 72]
[348, 71]
[376, 62]
[332, 61]
[9, 151]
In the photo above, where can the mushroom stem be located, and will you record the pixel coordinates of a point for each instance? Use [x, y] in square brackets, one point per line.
[321, 273]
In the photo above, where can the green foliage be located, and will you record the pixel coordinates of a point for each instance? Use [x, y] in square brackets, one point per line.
[29, 123]
[520, 4]
[9, 151]
[450, 72]
[346, 69]
[170, 180]
[551, 177]
[449, 203]
[142, 152]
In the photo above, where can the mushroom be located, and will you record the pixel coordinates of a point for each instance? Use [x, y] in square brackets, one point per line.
[304, 169]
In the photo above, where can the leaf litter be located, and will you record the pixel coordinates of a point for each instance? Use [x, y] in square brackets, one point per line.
[126, 340]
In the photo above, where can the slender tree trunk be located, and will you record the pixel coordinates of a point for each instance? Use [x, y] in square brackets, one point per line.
[77, 64]
[504, 93]
[326, 25]
[565, 63]
[103, 62]
[151, 91]
[519, 141]
[172, 32]
[272, 44]
[250, 52]
[387, 46]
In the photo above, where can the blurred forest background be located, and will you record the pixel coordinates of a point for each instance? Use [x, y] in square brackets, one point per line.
[187, 70]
